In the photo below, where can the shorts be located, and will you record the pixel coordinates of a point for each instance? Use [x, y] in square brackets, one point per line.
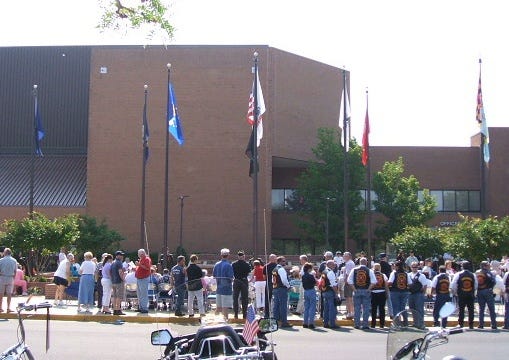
[6, 285]
[118, 290]
[224, 301]
[60, 281]
[348, 291]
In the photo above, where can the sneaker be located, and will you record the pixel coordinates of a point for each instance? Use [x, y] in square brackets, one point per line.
[191, 315]
[494, 327]
[287, 325]
[118, 312]
[305, 326]
[311, 326]
[143, 311]
[480, 327]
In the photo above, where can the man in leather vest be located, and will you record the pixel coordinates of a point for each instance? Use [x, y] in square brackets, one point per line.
[485, 284]
[440, 287]
[361, 280]
[464, 285]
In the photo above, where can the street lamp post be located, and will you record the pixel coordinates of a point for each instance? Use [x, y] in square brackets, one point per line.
[181, 198]
[327, 200]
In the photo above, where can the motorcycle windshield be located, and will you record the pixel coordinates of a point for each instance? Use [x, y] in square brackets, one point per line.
[403, 338]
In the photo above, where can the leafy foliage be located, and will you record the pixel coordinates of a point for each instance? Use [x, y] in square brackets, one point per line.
[136, 14]
[421, 239]
[38, 238]
[397, 199]
[321, 186]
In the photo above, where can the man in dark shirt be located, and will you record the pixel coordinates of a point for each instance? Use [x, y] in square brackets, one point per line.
[267, 271]
[241, 270]
[179, 284]
[117, 283]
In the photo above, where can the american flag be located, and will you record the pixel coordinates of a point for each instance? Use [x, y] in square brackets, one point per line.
[261, 108]
[251, 325]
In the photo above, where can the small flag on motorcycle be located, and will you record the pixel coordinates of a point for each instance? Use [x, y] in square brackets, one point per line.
[251, 326]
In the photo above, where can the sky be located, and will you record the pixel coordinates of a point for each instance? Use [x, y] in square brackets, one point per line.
[418, 60]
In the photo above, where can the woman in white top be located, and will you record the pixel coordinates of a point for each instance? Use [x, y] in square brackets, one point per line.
[106, 283]
[87, 283]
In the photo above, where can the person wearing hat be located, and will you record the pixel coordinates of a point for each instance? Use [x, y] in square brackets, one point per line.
[386, 269]
[117, 282]
[241, 270]
[223, 273]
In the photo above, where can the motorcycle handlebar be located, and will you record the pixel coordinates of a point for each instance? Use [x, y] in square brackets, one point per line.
[43, 305]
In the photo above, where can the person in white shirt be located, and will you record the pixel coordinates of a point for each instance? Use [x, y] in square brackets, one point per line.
[348, 292]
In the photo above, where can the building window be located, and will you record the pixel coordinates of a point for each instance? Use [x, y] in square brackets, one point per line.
[364, 195]
[280, 199]
[456, 200]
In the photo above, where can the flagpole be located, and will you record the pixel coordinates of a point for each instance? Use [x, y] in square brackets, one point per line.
[166, 176]
[255, 157]
[368, 179]
[32, 158]
[481, 152]
[345, 164]
[144, 167]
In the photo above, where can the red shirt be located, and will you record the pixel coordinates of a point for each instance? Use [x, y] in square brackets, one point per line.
[142, 273]
[258, 273]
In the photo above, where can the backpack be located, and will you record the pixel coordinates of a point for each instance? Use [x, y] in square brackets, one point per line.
[416, 286]
[324, 282]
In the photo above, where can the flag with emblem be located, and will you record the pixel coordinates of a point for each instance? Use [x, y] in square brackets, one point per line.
[173, 118]
[365, 140]
[481, 120]
[261, 107]
[39, 131]
[251, 325]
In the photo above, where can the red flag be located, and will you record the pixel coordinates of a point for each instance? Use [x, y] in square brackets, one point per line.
[365, 140]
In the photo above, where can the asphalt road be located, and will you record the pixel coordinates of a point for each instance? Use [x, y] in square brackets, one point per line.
[86, 340]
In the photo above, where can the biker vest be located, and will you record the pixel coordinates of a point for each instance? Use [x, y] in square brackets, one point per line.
[361, 279]
[443, 284]
[400, 281]
[466, 283]
[276, 278]
[484, 280]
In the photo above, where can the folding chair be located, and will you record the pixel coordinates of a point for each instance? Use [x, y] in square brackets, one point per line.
[130, 296]
[165, 300]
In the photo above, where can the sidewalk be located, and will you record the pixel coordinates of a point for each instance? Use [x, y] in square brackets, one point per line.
[69, 313]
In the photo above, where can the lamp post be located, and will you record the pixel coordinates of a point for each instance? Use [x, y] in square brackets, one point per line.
[327, 200]
[181, 198]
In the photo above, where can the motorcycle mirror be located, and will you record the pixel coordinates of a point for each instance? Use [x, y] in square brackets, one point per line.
[267, 325]
[447, 309]
[160, 337]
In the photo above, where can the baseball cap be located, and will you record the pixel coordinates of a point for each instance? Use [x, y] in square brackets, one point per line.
[225, 251]
[382, 255]
[119, 252]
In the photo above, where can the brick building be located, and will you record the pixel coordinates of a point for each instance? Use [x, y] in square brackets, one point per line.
[91, 100]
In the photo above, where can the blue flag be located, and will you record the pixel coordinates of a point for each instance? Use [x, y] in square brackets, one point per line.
[173, 117]
[39, 131]
[146, 133]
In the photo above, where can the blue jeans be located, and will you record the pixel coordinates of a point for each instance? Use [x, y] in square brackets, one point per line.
[362, 307]
[506, 316]
[441, 299]
[485, 297]
[399, 300]
[280, 300]
[142, 292]
[329, 308]
[180, 291]
[416, 303]
[310, 306]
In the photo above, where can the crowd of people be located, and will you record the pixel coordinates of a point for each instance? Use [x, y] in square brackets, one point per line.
[371, 289]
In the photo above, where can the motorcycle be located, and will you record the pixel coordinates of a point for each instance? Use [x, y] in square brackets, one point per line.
[21, 350]
[215, 339]
[405, 340]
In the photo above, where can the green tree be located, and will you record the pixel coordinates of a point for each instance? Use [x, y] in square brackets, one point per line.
[146, 13]
[321, 186]
[397, 199]
[96, 237]
[36, 239]
[425, 241]
[477, 239]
